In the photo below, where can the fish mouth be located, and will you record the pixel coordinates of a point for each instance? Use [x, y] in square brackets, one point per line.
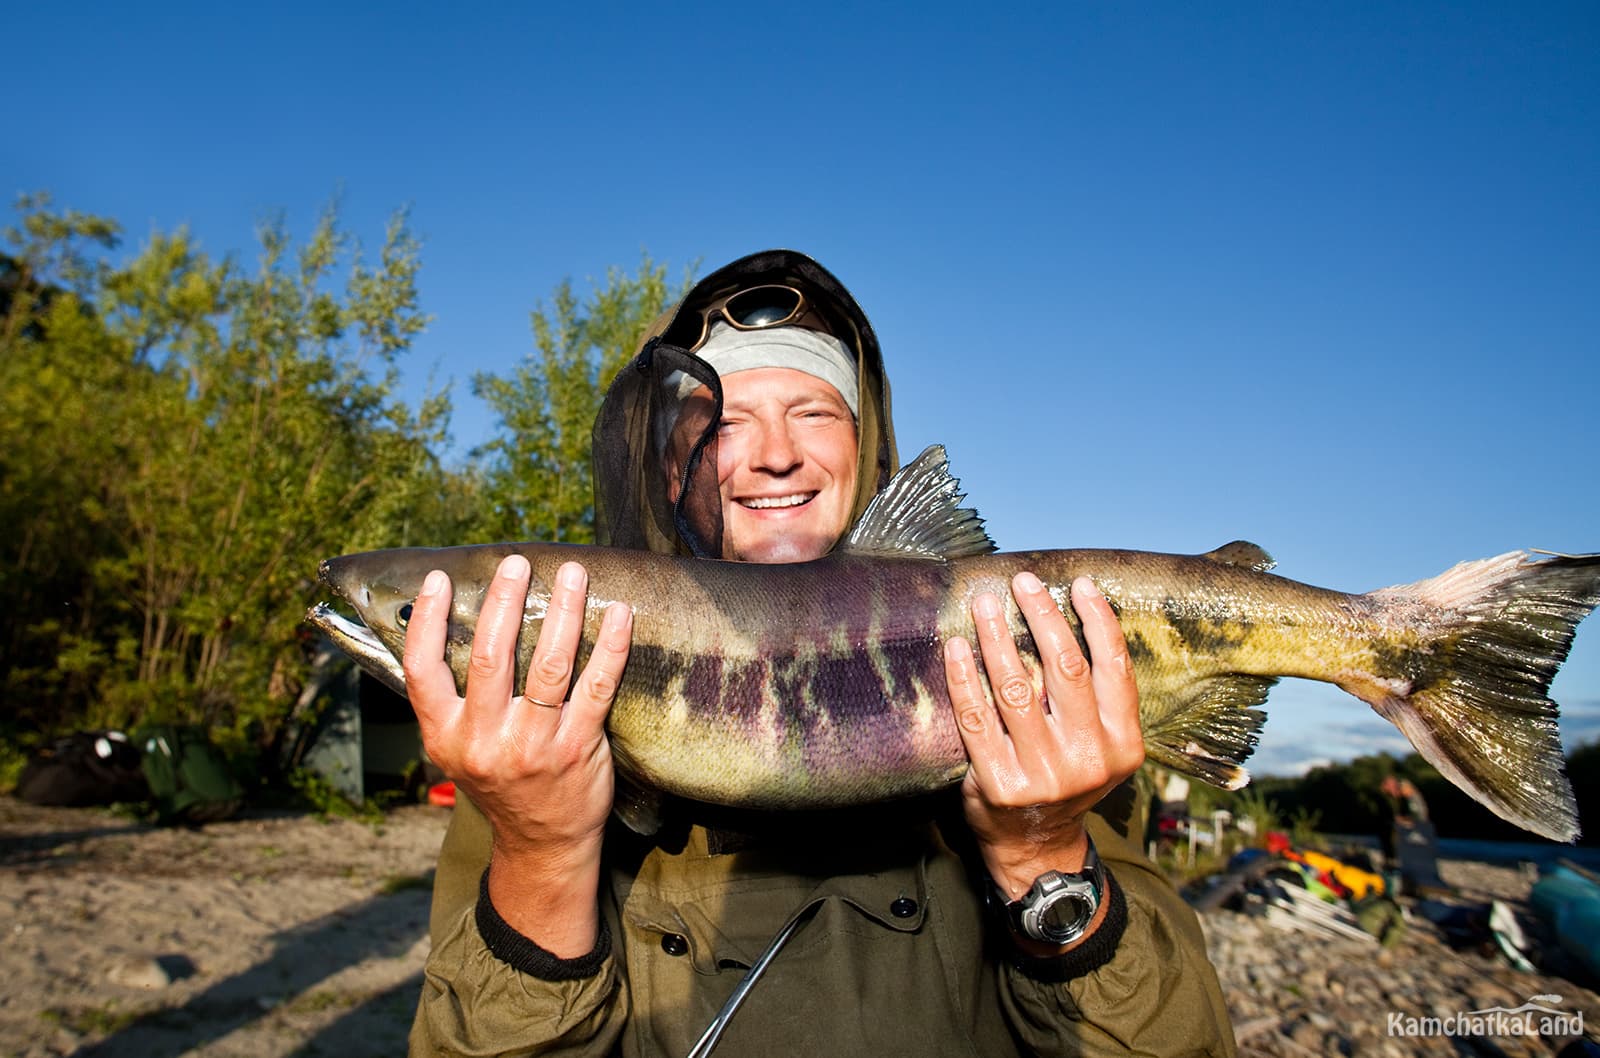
[361, 643]
[341, 627]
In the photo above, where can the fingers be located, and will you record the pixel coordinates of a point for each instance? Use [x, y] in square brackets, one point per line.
[1017, 700]
[597, 685]
[491, 667]
[981, 731]
[1068, 678]
[1086, 720]
[554, 656]
[1116, 689]
[430, 685]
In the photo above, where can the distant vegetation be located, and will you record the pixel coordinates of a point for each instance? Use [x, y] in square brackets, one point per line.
[1345, 798]
[183, 438]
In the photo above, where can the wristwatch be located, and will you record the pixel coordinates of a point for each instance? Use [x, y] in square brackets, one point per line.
[1059, 906]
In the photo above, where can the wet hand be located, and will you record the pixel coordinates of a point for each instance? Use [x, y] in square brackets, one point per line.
[1042, 756]
[536, 763]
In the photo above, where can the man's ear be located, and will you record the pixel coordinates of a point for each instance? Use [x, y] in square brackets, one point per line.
[674, 478]
[693, 416]
[673, 459]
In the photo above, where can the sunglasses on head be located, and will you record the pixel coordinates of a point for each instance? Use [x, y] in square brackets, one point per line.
[756, 308]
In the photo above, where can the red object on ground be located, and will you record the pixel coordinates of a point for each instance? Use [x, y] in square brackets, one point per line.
[1277, 841]
[443, 794]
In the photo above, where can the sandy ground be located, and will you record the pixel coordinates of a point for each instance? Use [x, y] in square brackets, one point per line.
[282, 936]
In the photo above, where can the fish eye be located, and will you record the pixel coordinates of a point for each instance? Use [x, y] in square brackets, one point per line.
[405, 613]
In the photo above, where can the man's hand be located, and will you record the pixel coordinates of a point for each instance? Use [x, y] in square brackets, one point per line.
[537, 764]
[1039, 763]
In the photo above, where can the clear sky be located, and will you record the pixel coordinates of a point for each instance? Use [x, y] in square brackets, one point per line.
[1325, 277]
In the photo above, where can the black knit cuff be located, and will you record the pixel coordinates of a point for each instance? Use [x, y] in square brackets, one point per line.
[524, 956]
[1092, 953]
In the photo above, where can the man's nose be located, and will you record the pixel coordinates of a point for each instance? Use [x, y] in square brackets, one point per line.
[777, 452]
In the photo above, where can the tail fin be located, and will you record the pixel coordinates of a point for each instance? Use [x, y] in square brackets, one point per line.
[1474, 700]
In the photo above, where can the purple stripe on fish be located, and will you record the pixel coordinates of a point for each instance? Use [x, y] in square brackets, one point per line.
[742, 690]
[702, 684]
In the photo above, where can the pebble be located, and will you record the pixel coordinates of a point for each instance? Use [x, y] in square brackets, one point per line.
[138, 971]
[1344, 991]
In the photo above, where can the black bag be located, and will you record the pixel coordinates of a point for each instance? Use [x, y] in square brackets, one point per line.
[84, 768]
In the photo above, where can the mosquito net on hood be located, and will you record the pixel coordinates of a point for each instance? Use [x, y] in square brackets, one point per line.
[655, 439]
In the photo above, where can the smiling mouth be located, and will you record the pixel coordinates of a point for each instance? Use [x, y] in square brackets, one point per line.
[768, 503]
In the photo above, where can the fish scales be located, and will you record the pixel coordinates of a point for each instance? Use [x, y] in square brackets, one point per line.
[822, 683]
[834, 710]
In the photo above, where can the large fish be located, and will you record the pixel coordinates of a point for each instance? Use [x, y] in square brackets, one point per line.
[822, 683]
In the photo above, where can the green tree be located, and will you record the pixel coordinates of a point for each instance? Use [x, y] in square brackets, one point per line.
[537, 472]
[59, 373]
[186, 440]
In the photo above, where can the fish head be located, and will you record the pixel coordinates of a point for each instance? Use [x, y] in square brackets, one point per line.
[382, 588]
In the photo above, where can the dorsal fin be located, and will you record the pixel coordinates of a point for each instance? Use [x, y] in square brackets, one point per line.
[918, 515]
[1244, 554]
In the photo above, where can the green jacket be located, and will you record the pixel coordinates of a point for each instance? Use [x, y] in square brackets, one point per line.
[900, 959]
[899, 954]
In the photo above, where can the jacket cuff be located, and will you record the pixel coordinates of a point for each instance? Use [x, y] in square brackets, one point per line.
[1087, 957]
[524, 956]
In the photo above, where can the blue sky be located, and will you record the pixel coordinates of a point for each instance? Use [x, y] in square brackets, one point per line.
[1325, 277]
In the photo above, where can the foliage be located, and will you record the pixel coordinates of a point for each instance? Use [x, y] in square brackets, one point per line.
[182, 439]
[1346, 799]
[1304, 828]
[1253, 805]
[316, 793]
[1583, 768]
[538, 475]
[14, 755]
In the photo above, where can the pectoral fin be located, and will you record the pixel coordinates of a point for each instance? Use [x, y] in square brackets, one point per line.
[632, 801]
[1211, 734]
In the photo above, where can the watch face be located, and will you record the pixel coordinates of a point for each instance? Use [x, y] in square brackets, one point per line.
[1065, 917]
[1058, 909]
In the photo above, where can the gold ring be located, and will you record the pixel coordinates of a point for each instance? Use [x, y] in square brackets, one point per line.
[547, 705]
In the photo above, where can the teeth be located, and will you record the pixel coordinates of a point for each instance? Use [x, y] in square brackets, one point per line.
[767, 502]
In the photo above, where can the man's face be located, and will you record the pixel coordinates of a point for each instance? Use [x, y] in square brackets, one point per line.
[786, 465]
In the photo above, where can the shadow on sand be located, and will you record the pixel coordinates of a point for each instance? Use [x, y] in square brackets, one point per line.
[31, 850]
[383, 926]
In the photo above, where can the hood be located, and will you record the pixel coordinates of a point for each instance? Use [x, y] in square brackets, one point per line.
[632, 502]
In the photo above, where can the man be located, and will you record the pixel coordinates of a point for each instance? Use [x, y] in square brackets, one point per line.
[754, 426]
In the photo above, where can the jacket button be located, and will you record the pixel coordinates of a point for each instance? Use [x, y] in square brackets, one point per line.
[904, 907]
[674, 944]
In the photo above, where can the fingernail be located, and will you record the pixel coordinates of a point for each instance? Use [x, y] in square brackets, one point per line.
[571, 575]
[986, 605]
[1027, 583]
[1086, 587]
[514, 567]
[956, 649]
[619, 615]
[433, 583]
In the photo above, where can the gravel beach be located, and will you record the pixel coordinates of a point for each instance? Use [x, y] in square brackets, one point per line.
[294, 936]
